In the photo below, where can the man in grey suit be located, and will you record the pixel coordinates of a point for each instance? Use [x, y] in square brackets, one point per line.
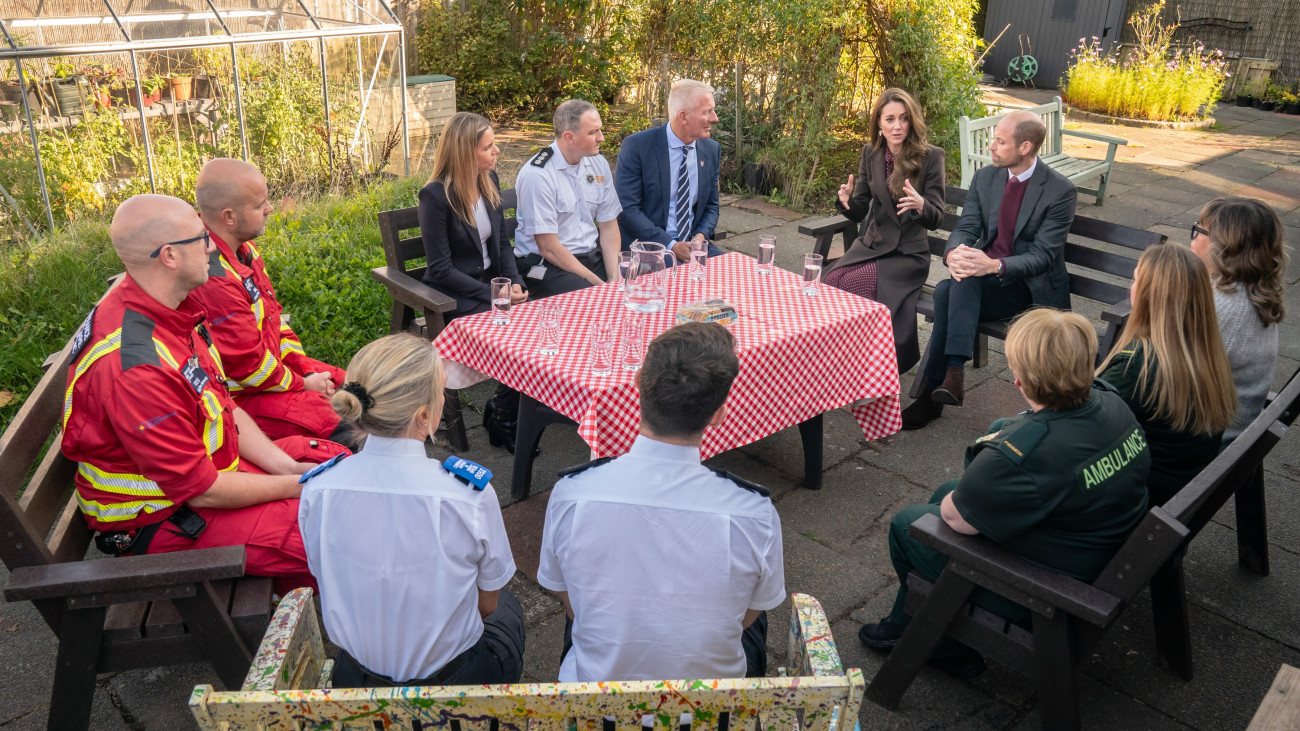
[1005, 255]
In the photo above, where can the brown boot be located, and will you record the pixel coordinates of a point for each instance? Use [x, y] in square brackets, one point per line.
[953, 389]
[922, 411]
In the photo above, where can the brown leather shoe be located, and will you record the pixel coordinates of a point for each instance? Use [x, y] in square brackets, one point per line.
[921, 412]
[953, 389]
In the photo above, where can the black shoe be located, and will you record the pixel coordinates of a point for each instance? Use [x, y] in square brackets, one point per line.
[501, 427]
[958, 660]
[881, 636]
[921, 412]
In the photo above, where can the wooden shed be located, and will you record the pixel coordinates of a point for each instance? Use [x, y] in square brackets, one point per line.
[1054, 28]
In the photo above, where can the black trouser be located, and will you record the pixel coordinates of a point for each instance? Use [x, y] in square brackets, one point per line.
[958, 309]
[497, 657]
[753, 640]
[556, 280]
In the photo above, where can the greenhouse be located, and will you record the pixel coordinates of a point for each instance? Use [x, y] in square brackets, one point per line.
[103, 99]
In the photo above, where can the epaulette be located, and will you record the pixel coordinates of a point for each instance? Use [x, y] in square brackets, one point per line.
[570, 471]
[543, 157]
[320, 468]
[215, 270]
[1016, 442]
[250, 287]
[471, 473]
[742, 483]
[82, 337]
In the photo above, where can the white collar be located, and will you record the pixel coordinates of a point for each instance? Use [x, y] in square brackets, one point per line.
[649, 448]
[1026, 175]
[394, 446]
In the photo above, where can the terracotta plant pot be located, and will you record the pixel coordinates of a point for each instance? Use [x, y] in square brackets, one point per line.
[182, 88]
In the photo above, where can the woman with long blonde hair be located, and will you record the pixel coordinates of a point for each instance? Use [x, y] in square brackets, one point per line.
[1240, 240]
[1170, 367]
[899, 189]
[462, 226]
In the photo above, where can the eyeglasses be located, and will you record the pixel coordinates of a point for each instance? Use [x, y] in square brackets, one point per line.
[1196, 229]
[205, 237]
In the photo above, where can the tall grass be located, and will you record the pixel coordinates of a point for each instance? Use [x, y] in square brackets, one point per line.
[319, 255]
[1152, 81]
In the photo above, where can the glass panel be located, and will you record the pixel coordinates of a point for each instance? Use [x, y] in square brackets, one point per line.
[58, 22]
[91, 147]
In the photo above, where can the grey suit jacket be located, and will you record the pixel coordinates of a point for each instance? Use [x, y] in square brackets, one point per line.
[1038, 252]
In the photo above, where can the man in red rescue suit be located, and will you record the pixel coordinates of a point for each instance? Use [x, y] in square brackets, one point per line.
[167, 460]
[269, 375]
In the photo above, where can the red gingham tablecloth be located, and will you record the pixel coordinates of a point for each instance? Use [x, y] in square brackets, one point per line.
[799, 356]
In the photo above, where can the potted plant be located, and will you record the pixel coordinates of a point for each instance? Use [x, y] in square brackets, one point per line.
[1290, 103]
[182, 86]
[153, 87]
[1268, 100]
[205, 86]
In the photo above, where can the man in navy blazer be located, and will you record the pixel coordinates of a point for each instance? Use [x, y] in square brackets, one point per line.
[662, 168]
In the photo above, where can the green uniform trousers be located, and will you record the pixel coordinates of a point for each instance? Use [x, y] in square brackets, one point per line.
[910, 555]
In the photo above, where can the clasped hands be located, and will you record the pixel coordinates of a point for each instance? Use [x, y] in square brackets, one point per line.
[965, 261]
[911, 200]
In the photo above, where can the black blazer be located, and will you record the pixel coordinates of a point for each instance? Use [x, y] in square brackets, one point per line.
[454, 261]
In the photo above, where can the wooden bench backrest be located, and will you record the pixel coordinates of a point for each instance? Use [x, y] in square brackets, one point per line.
[281, 692]
[977, 134]
[40, 522]
[400, 250]
[1080, 254]
[1201, 498]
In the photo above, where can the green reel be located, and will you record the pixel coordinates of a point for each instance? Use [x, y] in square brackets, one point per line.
[1022, 69]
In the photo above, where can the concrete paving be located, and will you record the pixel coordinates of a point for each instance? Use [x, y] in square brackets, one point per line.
[1244, 626]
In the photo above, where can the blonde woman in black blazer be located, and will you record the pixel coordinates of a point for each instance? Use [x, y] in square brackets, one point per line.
[899, 189]
[462, 227]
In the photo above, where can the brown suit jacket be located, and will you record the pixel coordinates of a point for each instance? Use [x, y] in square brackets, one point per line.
[896, 243]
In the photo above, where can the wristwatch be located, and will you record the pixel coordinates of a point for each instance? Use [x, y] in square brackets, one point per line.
[1002, 268]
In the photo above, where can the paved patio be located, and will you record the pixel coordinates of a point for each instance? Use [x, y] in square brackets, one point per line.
[835, 547]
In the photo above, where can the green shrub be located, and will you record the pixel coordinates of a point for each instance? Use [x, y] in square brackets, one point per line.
[1154, 81]
[319, 256]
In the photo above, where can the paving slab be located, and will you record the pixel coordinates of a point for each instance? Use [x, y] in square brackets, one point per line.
[739, 220]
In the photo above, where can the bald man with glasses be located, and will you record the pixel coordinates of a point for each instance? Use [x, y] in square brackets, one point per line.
[167, 461]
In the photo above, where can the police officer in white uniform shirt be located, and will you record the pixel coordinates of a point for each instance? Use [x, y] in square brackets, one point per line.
[411, 556]
[567, 237]
[666, 567]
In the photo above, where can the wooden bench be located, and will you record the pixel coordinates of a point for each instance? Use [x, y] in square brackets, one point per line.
[1099, 274]
[1280, 709]
[114, 614]
[977, 134]
[1069, 616]
[287, 688]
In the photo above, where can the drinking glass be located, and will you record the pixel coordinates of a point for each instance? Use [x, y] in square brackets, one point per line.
[548, 327]
[602, 348]
[624, 265]
[699, 255]
[766, 253]
[633, 343]
[500, 301]
[812, 274]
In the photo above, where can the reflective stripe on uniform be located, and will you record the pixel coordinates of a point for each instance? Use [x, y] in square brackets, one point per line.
[288, 346]
[110, 343]
[262, 373]
[120, 483]
[118, 512]
[258, 307]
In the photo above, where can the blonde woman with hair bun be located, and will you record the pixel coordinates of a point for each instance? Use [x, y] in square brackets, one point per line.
[410, 554]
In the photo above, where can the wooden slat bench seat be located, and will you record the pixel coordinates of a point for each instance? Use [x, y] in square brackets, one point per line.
[287, 688]
[976, 134]
[1098, 273]
[110, 614]
[1069, 616]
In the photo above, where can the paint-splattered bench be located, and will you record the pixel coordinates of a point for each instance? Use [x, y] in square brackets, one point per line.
[287, 688]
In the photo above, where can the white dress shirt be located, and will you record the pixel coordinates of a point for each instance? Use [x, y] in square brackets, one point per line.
[661, 557]
[567, 200]
[400, 549]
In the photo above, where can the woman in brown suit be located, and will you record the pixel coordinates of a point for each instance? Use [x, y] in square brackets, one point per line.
[899, 191]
